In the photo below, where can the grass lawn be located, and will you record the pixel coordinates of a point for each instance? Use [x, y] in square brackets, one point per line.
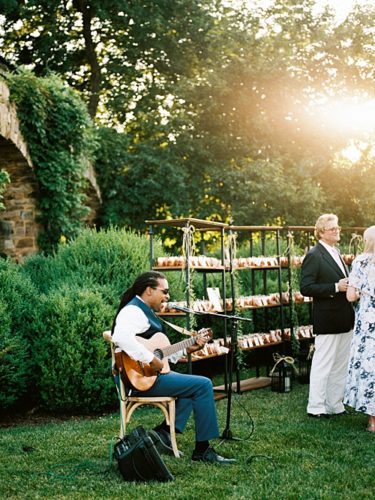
[281, 454]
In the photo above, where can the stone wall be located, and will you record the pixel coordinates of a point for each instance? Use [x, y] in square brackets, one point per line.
[18, 226]
[18, 223]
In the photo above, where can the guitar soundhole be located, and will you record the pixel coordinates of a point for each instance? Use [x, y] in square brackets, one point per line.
[158, 353]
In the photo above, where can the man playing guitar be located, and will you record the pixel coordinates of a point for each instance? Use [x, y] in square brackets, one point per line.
[136, 318]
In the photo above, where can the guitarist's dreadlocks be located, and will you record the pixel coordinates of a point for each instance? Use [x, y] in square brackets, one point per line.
[149, 278]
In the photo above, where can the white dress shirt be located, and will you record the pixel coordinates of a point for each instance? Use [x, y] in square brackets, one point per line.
[335, 254]
[131, 321]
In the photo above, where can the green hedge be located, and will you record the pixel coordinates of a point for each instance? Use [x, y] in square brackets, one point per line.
[107, 260]
[53, 310]
[71, 355]
[18, 298]
[14, 366]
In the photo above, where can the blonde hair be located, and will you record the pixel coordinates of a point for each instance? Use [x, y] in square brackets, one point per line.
[369, 239]
[322, 221]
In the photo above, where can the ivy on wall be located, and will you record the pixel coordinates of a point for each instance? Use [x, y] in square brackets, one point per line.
[4, 179]
[58, 130]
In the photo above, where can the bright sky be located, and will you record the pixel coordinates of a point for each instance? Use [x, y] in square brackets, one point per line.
[351, 116]
[342, 7]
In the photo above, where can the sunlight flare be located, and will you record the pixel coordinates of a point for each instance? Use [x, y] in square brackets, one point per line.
[350, 116]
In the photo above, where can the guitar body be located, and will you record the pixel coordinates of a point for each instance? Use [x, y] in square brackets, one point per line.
[137, 375]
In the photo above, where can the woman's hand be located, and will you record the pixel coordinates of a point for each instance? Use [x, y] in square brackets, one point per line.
[352, 293]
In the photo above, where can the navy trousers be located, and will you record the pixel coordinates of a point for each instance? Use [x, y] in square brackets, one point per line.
[195, 394]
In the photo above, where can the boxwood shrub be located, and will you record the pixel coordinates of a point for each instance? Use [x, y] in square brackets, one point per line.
[71, 355]
[53, 311]
[18, 298]
[14, 366]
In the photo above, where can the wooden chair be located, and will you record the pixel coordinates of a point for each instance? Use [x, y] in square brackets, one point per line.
[128, 404]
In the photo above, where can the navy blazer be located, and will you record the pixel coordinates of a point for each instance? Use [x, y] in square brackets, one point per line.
[332, 313]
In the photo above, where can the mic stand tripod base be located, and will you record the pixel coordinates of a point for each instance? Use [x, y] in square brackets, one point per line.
[228, 435]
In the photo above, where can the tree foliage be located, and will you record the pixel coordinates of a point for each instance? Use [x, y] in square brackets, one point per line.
[100, 46]
[211, 102]
[4, 180]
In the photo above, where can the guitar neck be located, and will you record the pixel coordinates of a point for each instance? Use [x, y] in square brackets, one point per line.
[171, 349]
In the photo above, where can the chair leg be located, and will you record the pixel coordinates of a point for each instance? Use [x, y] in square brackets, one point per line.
[172, 423]
[123, 410]
[127, 409]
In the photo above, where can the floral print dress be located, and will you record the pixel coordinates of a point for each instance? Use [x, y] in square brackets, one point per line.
[360, 383]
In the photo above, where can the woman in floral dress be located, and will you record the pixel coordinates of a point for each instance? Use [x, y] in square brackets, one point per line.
[360, 384]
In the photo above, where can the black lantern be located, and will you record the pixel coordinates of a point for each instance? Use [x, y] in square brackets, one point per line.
[281, 375]
[304, 368]
[304, 364]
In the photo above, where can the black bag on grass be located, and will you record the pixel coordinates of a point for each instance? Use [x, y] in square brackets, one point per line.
[139, 460]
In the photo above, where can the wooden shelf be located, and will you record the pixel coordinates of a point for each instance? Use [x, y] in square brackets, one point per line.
[250, 308]
[194, 359]
[249, 384]
[259, 268]
[183, 222]
[260, 346]
[213, 269]
[219, 395]
[255, 228]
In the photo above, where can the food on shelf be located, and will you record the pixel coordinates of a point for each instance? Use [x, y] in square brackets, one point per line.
[242, 303]
[213, 348]
[298, 298]
[297, 260]
[255, 262]
[305, 332]
[258, 339]
[194, 261]
[284, 261]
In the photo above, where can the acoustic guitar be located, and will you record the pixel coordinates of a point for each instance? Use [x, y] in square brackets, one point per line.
[140, 376]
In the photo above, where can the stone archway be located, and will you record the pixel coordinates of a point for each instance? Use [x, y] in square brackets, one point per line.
[18, 227]
[18, 223]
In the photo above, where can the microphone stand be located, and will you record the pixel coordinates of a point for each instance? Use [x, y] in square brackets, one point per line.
[227, 433]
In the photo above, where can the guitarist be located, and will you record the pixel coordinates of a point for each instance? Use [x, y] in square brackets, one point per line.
[136, 318]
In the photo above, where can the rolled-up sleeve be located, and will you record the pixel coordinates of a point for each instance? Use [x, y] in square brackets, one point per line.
[131, 321]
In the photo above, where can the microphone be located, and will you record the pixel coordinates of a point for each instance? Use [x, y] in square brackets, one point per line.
[178, 307]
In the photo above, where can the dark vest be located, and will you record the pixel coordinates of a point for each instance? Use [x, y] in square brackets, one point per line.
[155, 323]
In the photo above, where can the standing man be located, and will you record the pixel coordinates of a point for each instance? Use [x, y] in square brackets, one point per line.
[324, 277]
[136, 318]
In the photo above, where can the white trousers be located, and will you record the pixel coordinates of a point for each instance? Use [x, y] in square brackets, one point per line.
[328, 373]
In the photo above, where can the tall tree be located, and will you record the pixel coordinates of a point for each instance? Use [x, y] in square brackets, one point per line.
[115, 52]
[213, 104]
